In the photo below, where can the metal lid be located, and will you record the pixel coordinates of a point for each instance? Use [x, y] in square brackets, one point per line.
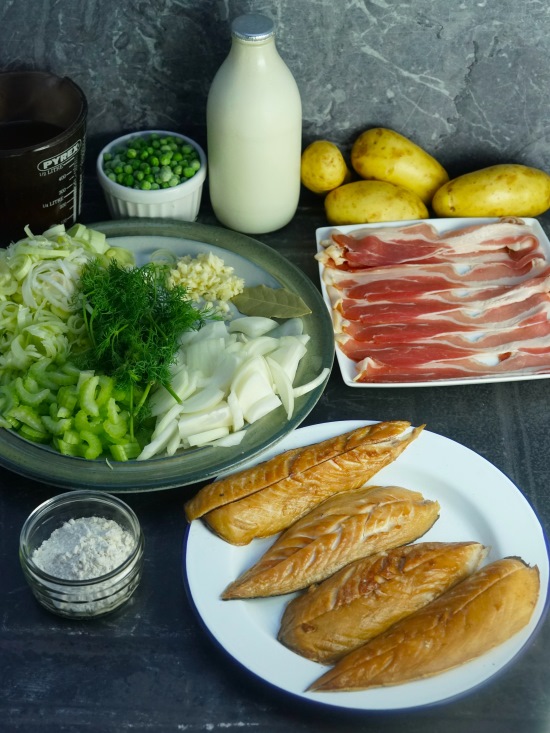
[253, 27]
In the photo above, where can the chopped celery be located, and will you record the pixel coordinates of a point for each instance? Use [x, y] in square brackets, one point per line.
[126, 451]
[86, 396]
[67, 398]
[66, 448]
[86, 423]
[91, 445]
[28, 397]
[82, 418]
[56, 427]
[28, 416]
[37, 436]
[115, 431]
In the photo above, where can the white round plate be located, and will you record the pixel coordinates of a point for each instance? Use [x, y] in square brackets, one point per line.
[478, 502]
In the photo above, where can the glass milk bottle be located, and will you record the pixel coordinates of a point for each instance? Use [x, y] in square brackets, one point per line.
[254, 132]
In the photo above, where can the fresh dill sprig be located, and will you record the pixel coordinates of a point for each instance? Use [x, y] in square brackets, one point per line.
[134, 322]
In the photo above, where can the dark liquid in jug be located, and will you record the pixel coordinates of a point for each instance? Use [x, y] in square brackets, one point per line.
[26, 133]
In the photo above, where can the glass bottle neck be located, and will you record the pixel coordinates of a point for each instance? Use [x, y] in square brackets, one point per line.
[260, 52]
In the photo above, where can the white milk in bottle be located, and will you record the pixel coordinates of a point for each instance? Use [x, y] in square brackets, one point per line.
[254, 132]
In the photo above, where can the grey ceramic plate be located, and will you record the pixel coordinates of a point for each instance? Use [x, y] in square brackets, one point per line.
[258, 264]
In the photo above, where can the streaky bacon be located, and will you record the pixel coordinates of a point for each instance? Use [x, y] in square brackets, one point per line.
[501, 306]
[410, 305]
[409, 281]
[519, 364]
[453, 346]
[535, 310]
[421, 243]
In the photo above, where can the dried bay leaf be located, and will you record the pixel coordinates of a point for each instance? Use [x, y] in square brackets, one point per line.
[270, 303]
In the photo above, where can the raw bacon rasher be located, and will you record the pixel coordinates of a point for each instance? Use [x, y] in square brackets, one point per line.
[420, 243]
[410, 305]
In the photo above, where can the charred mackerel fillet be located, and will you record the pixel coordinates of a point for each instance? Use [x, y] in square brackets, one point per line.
[476, 615]
[268, 498]
[366, 597]
[341, 529]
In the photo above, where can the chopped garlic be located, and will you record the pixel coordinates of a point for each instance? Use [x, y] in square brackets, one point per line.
[207, 280]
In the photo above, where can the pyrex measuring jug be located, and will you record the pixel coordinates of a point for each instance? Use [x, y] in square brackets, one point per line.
[42, 147]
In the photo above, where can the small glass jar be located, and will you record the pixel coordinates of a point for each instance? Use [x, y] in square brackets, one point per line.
[91, 597]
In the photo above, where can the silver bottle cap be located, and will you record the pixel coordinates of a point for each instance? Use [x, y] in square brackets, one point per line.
[252, 27]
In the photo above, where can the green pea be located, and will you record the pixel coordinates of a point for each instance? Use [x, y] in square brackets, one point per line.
[152, 161]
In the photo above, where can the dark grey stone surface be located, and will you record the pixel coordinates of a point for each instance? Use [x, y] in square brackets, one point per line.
[466, 80]
[153, 668]
[469, 81]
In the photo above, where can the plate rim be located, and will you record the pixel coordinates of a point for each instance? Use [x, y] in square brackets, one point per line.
[342, 426]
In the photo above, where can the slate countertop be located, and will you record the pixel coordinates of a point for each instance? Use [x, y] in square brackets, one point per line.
[152, 668]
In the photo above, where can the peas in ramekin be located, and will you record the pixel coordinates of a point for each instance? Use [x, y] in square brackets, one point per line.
[151, 162]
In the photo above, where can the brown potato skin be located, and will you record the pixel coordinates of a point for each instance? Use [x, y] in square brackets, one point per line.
[385, 155]
[323, 167]
[500, 190]
[364, 202]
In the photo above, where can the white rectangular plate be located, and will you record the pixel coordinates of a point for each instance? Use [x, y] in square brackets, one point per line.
[348, 366]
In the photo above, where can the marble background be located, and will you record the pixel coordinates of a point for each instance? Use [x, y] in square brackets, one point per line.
[466, 79]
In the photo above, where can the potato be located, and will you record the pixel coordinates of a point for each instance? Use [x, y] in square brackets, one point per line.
[507, 189]
[361, 202]
[323, 167]
[385, 155]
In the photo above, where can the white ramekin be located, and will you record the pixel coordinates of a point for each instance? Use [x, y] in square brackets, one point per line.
[180, 202]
